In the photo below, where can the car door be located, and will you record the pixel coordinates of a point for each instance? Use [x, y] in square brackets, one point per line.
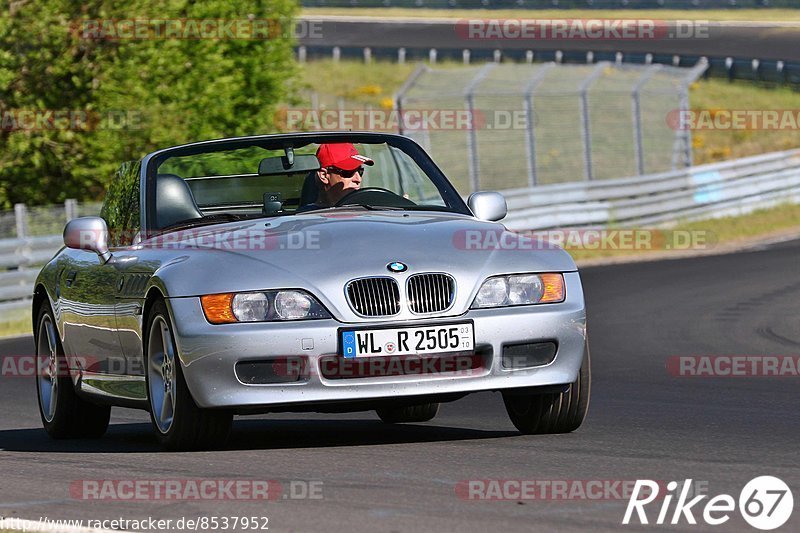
[87, 287]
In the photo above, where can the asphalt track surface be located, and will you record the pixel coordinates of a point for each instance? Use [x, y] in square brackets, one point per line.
[745, 40]
[642, 423]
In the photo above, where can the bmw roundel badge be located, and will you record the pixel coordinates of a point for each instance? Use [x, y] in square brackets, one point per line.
[397, 266]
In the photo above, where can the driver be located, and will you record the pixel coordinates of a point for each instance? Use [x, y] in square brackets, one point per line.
[341, 169]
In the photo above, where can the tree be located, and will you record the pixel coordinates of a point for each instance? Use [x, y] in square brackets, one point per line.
[78, 97]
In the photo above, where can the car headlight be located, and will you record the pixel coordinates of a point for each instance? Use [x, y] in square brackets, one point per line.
[520, 289]
[262, 306]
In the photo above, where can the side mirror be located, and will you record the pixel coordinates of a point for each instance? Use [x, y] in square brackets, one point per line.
[88, 233]
[488, 205]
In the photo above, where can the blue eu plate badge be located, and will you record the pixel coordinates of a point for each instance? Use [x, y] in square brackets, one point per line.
[349, 344]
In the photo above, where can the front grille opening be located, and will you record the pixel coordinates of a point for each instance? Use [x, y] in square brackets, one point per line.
[528, 355]
[273, 370]
[336, 367]
[374, 296]
[430, 293]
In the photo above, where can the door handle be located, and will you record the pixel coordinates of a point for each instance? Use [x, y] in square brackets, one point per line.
[71, 278]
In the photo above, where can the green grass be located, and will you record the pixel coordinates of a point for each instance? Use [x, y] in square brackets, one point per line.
[18, 323]
[362, 86]
[718, 145]
[782, 15]
[783, 219]
[354, 81]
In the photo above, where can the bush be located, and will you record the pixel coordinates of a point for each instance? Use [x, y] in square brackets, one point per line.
[102, 101]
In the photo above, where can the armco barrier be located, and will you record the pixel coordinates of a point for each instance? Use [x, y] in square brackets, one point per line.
[728, 188]
[731, 187]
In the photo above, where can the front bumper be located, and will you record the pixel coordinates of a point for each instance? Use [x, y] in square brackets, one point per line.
[209, 354]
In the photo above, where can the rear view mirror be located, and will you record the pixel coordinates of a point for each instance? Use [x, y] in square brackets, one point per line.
[488, 205]
[88, 233]
[287, 165]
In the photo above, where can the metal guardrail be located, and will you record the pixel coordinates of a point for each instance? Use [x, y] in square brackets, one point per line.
[18, 255]
[728, 188]
[554, 4]
[731, 187]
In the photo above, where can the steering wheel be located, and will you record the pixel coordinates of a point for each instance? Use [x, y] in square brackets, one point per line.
[374, 196]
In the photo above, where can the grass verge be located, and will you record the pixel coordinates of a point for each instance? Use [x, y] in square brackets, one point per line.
[718, 145]
[17, 323]
[375, 84]
[766, 15]
[726, 233]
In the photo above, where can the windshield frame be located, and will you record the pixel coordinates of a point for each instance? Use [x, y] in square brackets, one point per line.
[153, 161]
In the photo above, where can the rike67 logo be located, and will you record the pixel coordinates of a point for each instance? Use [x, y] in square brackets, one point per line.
[765, 503]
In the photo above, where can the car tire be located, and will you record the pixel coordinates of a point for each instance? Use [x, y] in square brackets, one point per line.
[179, 423]
[64, 414]
[552, 412]
[413, 413]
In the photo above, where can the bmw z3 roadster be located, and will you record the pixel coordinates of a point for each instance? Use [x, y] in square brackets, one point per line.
[312, 272]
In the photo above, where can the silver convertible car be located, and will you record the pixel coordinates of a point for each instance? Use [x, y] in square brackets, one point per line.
[323, 272]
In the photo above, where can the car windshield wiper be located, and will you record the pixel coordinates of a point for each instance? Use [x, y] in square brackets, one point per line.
[371, 207]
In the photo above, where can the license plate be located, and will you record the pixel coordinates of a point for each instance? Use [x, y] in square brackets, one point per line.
[443, 338]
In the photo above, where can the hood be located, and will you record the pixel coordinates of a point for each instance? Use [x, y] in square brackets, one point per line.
[322, 252]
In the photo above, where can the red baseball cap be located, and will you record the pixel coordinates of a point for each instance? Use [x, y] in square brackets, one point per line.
[341, 155]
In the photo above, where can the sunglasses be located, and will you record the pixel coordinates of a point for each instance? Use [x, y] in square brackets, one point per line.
[346, 173]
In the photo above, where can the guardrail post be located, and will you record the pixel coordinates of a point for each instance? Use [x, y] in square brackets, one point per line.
[71, 208]
[21, 219]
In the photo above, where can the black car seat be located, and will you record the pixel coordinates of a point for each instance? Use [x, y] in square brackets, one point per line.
[174, 201]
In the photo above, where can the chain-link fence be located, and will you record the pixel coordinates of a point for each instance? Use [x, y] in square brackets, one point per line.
[547, 123]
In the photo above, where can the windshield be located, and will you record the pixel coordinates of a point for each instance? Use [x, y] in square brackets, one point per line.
[256, 180]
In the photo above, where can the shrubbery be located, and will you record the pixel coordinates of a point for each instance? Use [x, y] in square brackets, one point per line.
[74, 106]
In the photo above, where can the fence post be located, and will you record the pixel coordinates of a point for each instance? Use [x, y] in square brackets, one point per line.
[684, 135]
[472, 134]
[586, 132]
[21, 219]
[530, 119]
[71, 208]
[401, 93]
[636, 94]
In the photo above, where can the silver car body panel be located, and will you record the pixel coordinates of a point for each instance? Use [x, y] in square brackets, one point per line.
[337, 246]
